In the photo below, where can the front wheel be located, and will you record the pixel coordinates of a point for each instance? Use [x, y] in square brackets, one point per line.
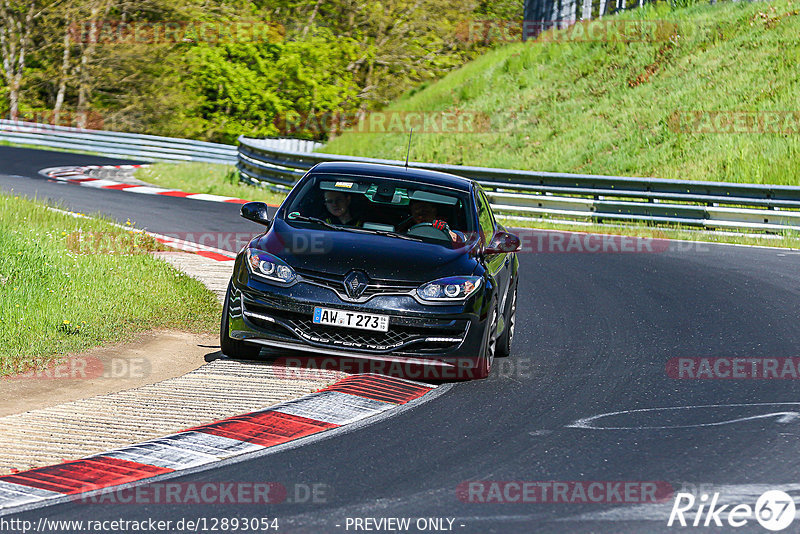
[484, 364]
[504, 343]
[233, 348]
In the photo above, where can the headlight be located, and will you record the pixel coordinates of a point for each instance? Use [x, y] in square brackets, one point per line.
[454, 288]
[265, 265]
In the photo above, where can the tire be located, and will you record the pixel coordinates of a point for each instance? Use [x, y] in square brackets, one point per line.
[484, 364]
[233, 348]
[504, 343]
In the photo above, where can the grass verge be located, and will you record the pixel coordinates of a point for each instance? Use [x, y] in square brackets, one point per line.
[210, 178]
[56, 298]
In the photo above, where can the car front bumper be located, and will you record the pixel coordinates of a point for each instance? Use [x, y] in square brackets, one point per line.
[281, 317]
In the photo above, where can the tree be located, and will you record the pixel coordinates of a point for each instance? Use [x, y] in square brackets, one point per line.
[337, 56]
[16, 26]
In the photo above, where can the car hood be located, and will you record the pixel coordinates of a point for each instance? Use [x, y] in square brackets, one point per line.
[338, 252]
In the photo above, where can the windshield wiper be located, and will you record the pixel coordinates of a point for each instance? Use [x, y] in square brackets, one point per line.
[294, 216]
[387, 233]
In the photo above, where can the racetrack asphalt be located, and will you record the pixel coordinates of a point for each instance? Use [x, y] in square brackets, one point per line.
[594, 335]
[165, 215]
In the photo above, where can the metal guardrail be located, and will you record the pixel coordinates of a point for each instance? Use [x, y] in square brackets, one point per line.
[133, 146]
[533, 194]
[116, 144]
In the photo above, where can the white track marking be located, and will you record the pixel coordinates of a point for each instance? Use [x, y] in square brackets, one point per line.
[780, 416]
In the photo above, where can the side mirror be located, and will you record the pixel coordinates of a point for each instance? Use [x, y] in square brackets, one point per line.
[502, 243]
[257, 212]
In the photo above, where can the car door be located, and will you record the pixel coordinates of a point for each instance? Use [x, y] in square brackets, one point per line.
[497, 264]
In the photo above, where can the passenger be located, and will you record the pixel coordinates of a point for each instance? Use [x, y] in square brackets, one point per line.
[427, 212]
[338, 206]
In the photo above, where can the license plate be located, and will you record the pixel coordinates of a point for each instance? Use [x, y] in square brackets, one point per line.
[347, 319]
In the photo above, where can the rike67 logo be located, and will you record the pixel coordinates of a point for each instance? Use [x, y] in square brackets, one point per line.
[774, 510]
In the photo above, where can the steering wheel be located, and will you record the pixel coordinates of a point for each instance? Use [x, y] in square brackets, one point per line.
[429, 231]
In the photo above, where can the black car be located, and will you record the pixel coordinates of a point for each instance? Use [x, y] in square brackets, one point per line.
[379, 262]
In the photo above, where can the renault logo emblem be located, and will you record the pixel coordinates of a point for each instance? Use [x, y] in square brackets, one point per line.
[355, 283]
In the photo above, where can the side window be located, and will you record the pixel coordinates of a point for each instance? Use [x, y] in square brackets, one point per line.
[485, 218]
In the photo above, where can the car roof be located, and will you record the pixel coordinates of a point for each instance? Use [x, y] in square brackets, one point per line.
[422, 176]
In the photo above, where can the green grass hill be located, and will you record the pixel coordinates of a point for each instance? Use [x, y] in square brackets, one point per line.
[567, 104]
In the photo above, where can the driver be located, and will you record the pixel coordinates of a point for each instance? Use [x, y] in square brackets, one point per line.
[338, 206]
[427, 212]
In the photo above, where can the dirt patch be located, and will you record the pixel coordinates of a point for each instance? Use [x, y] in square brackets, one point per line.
[151, 357]
[662, 56]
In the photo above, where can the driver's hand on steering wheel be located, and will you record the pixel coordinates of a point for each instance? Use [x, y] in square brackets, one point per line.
[439, 224]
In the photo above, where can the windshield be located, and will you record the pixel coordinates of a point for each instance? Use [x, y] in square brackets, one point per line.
[381, 206]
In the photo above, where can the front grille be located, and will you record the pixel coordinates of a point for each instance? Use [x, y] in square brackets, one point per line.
[374, 287]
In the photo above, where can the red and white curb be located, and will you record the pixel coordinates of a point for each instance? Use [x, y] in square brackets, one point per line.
[348, 401]
[212, 253]
[78, 175]
[206, 251]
